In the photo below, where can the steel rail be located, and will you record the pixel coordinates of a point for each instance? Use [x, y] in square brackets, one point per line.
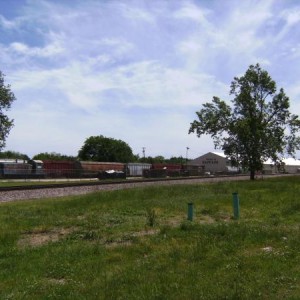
[105, 182]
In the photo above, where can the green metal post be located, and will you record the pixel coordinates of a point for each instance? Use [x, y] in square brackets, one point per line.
[190, 211]
[236, 205]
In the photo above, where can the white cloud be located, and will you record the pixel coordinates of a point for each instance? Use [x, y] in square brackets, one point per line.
[136, 13]
[194, 13]
[144, 84]
[292, 16]
[49, 50]
[6, 23]
[138, 70]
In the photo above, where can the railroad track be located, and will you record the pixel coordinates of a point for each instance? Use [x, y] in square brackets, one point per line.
[67, 189]
[54, 185]
[104, 182]
[82, 184]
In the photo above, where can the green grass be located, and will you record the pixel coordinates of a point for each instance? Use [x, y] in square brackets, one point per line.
[138, 244]
[29, 182]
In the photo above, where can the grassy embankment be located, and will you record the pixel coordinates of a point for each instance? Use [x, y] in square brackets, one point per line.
[29, 182]
[103, 245]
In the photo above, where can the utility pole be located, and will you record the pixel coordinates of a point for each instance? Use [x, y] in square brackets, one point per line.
[186, 157]
[144, 150]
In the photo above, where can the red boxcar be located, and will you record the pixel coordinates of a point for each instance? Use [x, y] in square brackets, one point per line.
[60, 168]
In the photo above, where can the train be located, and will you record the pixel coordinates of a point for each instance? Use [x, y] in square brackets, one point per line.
[19, 168]
[16, 168]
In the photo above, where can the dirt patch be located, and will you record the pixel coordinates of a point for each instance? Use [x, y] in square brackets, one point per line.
[128, 241]
[206, 219]
[118, 243]
[55, 281]
[174, 221]
[38, 238]
[145, 232]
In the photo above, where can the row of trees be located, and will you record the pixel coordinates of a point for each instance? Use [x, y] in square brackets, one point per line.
[100, 148]
[135, 158]
[96, 148]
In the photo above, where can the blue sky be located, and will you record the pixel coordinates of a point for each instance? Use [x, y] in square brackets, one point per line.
[136, 70]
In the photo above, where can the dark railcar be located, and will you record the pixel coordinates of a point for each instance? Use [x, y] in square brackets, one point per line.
[166, 166]
[15, 170]
[19, 168]
[194, 170]
[155, 173]
[171, 170]
[37, 168]
[61, 169]
[111, 174]
[92, 168]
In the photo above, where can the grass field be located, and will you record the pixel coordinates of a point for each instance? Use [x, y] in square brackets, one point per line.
[29, 182]
[138, 244]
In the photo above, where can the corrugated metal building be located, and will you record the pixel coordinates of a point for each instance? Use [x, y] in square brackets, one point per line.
[217, 162]
[289, 165]
[213, 162]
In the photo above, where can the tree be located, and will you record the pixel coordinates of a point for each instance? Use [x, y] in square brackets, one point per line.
[100, 148]
[176, 160]
[52, 156]
[258, 127]
[13, 155]
[153, 160]
[6, 99]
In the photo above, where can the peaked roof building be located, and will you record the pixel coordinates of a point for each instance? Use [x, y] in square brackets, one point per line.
[217, 162]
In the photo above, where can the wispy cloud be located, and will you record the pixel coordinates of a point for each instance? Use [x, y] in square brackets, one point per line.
[6, 24]
[135, 70]
[24, 50]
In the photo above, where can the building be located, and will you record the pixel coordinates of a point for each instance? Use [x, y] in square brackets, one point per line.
[214, 162]
[288, 165]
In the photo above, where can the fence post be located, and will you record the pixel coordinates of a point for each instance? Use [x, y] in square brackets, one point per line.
[236, 205]
[190, 211]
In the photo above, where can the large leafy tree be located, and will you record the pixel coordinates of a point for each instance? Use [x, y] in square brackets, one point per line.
[257, 126]
[6, 99]
[104, 149]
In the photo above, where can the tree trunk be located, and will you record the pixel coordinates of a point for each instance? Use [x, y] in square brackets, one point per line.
[252, 174]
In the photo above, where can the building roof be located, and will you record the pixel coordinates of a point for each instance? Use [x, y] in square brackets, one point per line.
[290, 161]
[220, 154]
[287, 161]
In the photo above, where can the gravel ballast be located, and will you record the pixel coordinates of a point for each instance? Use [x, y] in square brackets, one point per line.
[7, 196]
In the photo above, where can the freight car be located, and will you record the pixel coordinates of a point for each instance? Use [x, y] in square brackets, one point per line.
[16, 168]
[90, 169]
[172, 170]
[37, 168]
[61, 169]
[137, 169]
[166, 169]
[167, 166]
[78, 169]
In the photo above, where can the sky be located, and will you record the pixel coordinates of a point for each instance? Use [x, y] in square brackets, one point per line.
[136, 70]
